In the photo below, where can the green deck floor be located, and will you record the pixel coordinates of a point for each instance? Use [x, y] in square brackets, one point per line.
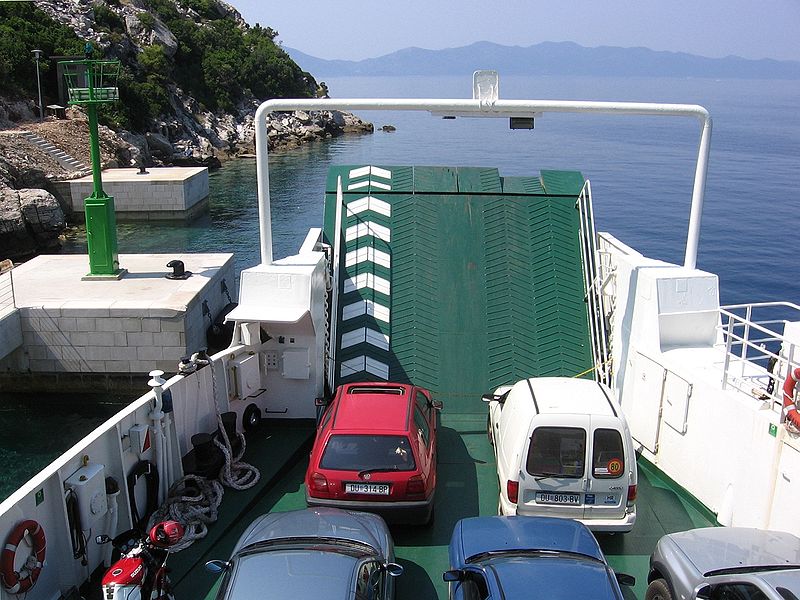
[467, 487]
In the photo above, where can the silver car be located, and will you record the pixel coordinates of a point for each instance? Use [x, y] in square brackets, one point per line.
[725, 563]
[313, 553]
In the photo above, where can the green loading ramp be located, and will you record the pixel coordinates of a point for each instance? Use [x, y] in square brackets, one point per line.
[456, 279]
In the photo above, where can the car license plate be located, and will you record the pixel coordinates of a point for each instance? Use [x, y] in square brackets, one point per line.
[380, 489]
[554, 498]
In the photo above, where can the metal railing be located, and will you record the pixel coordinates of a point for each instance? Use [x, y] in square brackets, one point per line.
[593, 284]
[758, 353]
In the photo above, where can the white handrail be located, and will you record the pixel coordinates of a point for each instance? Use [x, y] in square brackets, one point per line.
[478, 108]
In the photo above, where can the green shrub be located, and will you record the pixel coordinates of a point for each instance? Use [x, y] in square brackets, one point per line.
[216, 61]
[108, 19]
[24, 27]
[147, 19]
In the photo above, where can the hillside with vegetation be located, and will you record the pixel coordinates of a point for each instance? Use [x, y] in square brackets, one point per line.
[192, 74]
[201, 47]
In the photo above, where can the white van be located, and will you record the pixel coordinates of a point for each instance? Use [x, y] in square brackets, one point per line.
[563, 449]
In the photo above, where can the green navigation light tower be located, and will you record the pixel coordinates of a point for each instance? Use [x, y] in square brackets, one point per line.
[91, 83]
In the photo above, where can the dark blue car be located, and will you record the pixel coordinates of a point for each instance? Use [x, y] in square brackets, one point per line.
[528, 557]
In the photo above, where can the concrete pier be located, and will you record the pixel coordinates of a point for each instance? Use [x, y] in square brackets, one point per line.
[128, 327]
[162, 193]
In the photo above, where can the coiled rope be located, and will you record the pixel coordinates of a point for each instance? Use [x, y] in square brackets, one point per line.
[194, 501]
[235, 473]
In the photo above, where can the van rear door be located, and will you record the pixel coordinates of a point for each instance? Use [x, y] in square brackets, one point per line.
[607, 493]
[553, 473]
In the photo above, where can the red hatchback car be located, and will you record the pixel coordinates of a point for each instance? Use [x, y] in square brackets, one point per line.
[375, 450]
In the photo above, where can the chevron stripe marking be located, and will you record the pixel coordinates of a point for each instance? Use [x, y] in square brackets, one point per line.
[367, 280]
[359, 364]
[366, 307]
[368, 183]
[367, 228]
[370, 170]
[369, 203]
[365, 335]
[368, 254]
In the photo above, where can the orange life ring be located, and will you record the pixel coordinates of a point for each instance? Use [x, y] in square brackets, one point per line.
[18, 582]
[792, 377]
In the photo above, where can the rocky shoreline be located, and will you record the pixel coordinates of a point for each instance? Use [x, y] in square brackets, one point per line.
[32, 218]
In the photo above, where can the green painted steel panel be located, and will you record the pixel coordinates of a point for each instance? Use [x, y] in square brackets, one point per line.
[522, 185]
[486, 289]
[439, 180]
[562, 183]
[479, 180]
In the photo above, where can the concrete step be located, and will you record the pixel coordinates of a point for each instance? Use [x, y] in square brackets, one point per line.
[65, 160]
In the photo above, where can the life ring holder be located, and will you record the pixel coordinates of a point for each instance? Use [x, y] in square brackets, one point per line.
[792, 415]
[19, 582]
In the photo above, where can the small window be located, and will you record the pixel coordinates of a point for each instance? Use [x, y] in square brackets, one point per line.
[474, 586]
[608, 456]
[557, 452]
[369, 581]
[735, 591]
[361, 452]
[421, 424]
[423, 404]
[326, 417]
[394, 391]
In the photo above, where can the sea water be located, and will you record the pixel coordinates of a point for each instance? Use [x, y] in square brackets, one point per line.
[641, 170]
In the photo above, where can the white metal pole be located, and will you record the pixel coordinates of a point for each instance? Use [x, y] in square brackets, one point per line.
[698, 191]
[37, 54]
[337, 253]
[478, 108]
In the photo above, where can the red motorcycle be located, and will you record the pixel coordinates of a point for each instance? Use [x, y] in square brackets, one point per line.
[141, 571]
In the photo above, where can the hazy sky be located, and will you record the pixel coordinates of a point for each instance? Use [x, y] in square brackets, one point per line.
[355, 29]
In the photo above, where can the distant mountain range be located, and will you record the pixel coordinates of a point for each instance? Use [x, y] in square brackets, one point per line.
[549, 58]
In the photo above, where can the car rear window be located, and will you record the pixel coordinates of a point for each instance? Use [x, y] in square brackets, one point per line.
[557, 452]
[361, 452]
[608, 458]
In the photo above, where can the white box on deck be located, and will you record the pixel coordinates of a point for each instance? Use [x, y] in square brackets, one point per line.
[89, 485]
[246, 375]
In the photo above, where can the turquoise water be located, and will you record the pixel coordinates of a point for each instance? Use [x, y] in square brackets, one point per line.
[35, 429]
[641, 172]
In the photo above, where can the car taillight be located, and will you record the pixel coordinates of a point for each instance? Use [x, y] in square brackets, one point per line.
[318, 483]
[512, 489]
[631, 495]
[415, 486]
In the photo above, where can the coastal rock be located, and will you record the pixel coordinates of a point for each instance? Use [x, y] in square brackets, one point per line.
[14, 111]
[41, 213]
[146, 35]
[31, 221]
[159, 145]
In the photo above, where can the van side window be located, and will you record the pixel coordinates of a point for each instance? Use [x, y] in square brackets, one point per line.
[608, 456]
[557, 452]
